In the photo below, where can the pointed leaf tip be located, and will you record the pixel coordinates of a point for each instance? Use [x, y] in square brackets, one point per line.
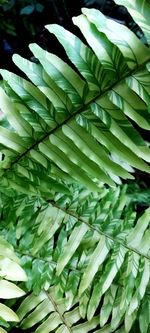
[34, 46]
[15, 58]
[51, 27]
[85, 10]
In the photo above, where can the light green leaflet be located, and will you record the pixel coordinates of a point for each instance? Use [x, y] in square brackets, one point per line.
[7, 314]
[107, 132]
[67, 166]
[38, 307]
[43, 309]
[131, 47]
[100, 157]
[29, 303]
[135, 237]
[97, 258]
[76, 155]
[62, 74]
[142, 280]
[131, 104]
[31, 97]
[107, 52]
[73, 243]
[12, 140]
[9, 270]
[119, 126]
[18, 123]
[83, 58]
[41, 79]
[140, 83]
[145, 315]
[44, 236]
[107, 306]
[6, 250]
[140, 11]
[10, 290]
[109, 274]
[2, 330]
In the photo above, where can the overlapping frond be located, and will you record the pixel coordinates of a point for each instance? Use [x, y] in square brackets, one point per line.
[65, 134]
[92, 250]
[57, 316]
[79, 125]
[140, 11]
[10, 270]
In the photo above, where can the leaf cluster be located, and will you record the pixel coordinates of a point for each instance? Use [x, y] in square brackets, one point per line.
[68, 137]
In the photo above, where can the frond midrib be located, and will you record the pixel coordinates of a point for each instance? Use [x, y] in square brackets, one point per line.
[72, 116]
[46, 260]
[57, 310]
[80, 219]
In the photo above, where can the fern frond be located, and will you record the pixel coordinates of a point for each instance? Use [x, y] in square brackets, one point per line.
[64, 135]
[95, 255]
[76, 126]
[47, 306]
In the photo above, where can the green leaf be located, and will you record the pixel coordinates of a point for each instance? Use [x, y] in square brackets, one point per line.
[27, 10]
[11, 270]
[71, 246]
[81, 56]
[7, 314]
[129, 45]
[140, 11]
[136, 235]
[108, 53]
[39, 7]
[113, 265]
[144, 317]
[2, 330]
[99, 255]
[10, 290]
[62, 74]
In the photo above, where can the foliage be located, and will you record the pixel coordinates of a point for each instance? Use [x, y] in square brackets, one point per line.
[13, 7]
[64, 266]
[27, 11]
[68, 137]
[2, 2]
[10, 270]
